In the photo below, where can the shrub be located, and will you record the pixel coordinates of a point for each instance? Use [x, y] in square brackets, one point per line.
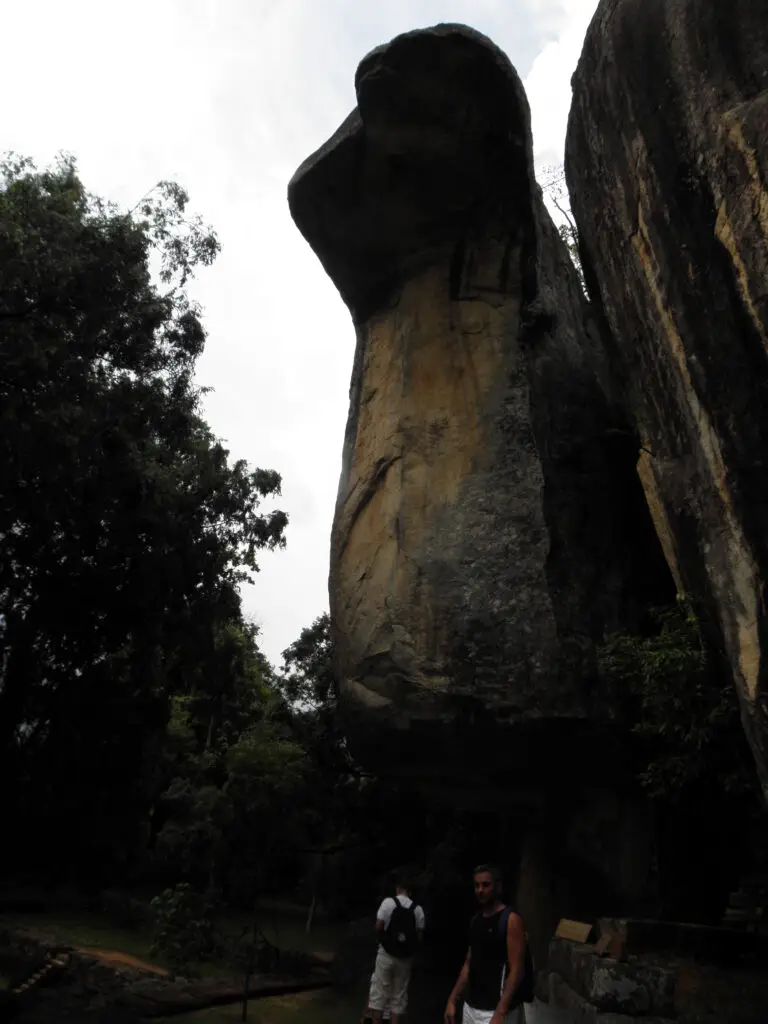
[184, 929]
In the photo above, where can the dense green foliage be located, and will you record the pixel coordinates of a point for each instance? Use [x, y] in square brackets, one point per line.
[308, 678]
[184, 929]
[126, 531]
[692, 760]
[686, 714]
[232, 768]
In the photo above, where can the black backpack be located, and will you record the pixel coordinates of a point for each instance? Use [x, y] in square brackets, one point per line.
[525, 990]
[399, 938]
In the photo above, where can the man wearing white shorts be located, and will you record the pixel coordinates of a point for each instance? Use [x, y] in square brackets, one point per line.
[495, 965]
[400, 927]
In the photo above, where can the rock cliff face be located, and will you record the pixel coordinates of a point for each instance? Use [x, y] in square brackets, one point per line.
[489, 523]
[667, 164]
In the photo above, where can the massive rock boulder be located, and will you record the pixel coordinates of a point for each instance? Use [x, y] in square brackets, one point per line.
[489, 524]
[667, 164]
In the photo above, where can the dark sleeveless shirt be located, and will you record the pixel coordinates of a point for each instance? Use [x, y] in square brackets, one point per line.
[487, 961]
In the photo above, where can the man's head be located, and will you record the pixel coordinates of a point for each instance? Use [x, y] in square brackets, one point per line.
[403, 880]
[487, 880]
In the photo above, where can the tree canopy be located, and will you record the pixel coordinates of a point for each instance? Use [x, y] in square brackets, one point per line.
[126, 529]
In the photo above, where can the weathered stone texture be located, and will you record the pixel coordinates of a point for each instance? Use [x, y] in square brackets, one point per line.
[667, 164]
[562, 997]
[633, 988]
[489, 524]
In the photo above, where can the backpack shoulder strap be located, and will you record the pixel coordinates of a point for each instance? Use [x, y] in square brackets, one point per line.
[504, 920]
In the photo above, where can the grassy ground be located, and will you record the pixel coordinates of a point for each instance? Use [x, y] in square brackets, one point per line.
[83, 929]
[282, 923]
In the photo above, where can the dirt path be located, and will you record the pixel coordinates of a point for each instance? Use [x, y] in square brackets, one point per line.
[116, 959]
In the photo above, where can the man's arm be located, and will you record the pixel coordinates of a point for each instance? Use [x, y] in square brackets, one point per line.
[458, 991]
[383, 915]
[516, 960]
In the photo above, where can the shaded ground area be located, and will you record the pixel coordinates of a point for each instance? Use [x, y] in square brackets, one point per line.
[117, 959]
[707, 995]
[82, 930]
[332, 1007]
[108, 984]
[328, 1007]
[283, 924]
[146, 982]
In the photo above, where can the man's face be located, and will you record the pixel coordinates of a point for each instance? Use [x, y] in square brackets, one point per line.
[485, 888]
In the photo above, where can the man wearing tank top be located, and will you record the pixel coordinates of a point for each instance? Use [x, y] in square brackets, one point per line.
[495, 964]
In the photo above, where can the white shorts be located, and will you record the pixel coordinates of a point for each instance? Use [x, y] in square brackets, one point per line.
[389, 983]
[473, 1016]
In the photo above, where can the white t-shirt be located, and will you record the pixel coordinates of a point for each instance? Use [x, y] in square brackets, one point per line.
[387, 909]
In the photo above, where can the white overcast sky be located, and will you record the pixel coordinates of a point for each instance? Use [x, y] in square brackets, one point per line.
[228, 97]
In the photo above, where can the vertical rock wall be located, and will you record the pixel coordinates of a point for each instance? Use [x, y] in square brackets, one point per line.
[667, 164]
